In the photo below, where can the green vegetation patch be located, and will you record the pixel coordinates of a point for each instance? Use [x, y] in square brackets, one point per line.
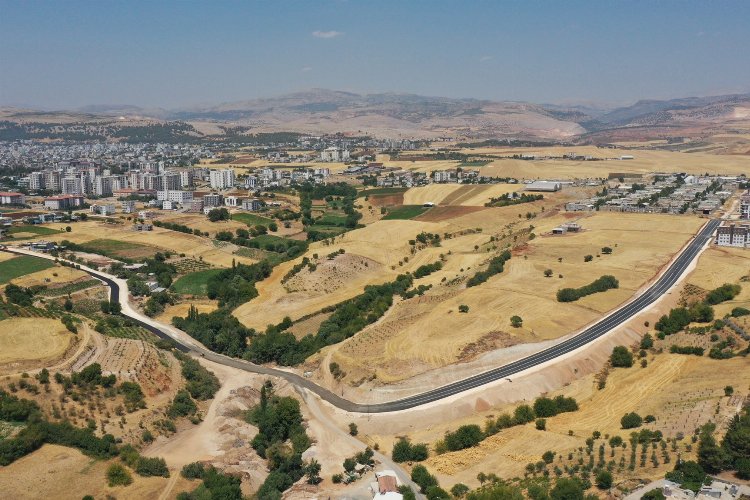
[405, 212]
[251, 219]
[116, 249]
[195, 283]
[21, 266]
[32, 229]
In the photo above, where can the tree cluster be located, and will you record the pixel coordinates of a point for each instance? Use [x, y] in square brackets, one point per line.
[602, 284]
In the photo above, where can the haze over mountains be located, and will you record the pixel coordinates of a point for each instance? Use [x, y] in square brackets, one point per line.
[408, 115]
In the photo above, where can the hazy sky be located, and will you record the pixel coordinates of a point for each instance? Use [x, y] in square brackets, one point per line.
[169, 54]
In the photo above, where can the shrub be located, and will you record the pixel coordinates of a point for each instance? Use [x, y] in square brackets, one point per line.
[601, 284]
[404, 451]
[541, 424]
[465, 436]
[631, 421]
[463, 308]
[516, 321]
[621, 357]
[117, 475]
[604, 480]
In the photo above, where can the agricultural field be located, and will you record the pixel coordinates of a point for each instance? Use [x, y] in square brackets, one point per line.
[251, 219]
[57, 279]
[40, 474]
[405, 212]
[458, 194]
[22, 265]
[25, 341]
[30, 231]
[194, 283]
[121, 249]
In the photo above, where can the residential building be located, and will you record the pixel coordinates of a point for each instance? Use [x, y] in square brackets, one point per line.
[36, 181]
[252, 205]
[213, 200]
[181, 197]
[186, 178]
[385, 486]
[196, 205]
[7, 198]
[222, 179]
[733, 235]
[745, 205]
[128, 207]
[63, 202]
[108, 209]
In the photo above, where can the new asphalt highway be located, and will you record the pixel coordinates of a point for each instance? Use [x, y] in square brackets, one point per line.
[668, 278]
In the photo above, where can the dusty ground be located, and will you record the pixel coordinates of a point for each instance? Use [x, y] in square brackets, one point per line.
[51, 277]
[457, 194]
[25, 341]
[65, 473]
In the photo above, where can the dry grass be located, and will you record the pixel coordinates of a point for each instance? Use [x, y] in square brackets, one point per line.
[457, 194]
[53, 276]
[65, 473]
[39, 340]
[399, 346]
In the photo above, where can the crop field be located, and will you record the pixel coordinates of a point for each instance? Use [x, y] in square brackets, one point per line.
[405, 212]
[55, 277]
[39, 340]
[123, 249]
[719, 265]
[181, 309]
[40, 474]
[195, 247]
[398, 346]
[132, 333]
[21, 232]
[21, 266]
[251, 219]
[194, 283]
[457, 194]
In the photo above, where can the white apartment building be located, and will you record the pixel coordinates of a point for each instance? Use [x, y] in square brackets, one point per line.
[731, 235]
[221, 179]
[745, 206]
[176, 196]
[36, 181]
[108, 209]
[186, 178]
[128, 206]
[334, 154]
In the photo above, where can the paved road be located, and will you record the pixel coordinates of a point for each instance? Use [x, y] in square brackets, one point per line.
[616, 318]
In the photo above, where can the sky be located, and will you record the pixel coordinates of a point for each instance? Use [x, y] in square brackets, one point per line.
[177, 54]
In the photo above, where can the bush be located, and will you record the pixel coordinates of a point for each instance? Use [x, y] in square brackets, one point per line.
[604, 480]
[516, 321]
[723, 293]
[541, 424]
[647, 342]
[621, 357]
[193, 470]
[740, 311]
[601, 284]
[463, 308]
[404, 451]
[421, 476]
[148, 467]
[465, 436]
[117, 475]
[631, 421]
[182, 405]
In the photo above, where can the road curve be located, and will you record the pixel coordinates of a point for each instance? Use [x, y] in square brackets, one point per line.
[593, 332]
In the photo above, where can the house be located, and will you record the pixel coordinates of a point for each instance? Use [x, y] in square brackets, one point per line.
[128, 207]
[386, 486]
[143, 227]
[42, 246]
[7, 198]
[146, 214]
[213, 200]
[543, 186]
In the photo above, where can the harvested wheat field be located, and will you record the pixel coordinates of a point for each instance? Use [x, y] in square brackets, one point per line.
[457, 194]
[644, 162]
[159, 240]
[38, 341]
[181, 309]
[53, 276]
[428, 332]
[719, 265]
[681, 392]
[42, 473]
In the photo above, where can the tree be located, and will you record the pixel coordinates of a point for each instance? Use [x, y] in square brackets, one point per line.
[728, 390]
[567, 489]
[631, 421]
[588, 258]
[621, 357]
[541, 424]
[117, 475]
[312, 471]
[516, 321]
[463, 308]
[68, 305]
[655, 494]
[218, 214]
[606, 250]
[548, 457]
[421, 476]
[353, 429]
[547, 273]
[68, 229]
[604, 480]
[459, 490]
[647, 342]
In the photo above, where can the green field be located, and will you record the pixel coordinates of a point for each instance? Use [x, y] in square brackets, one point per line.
[119, 249]
[331, 219]
[251, 219]
[388, 190]
[21, 266]
[194, 283]
[405, 212]
[32, 229]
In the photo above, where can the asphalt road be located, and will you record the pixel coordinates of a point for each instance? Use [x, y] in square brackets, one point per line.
[620, 316]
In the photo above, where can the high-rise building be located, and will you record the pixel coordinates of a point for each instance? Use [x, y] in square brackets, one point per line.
[222, 179]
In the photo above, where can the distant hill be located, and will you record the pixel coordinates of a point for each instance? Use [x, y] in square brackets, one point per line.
[320, 111]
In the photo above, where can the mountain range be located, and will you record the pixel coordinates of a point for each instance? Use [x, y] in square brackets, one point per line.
[320, 111]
